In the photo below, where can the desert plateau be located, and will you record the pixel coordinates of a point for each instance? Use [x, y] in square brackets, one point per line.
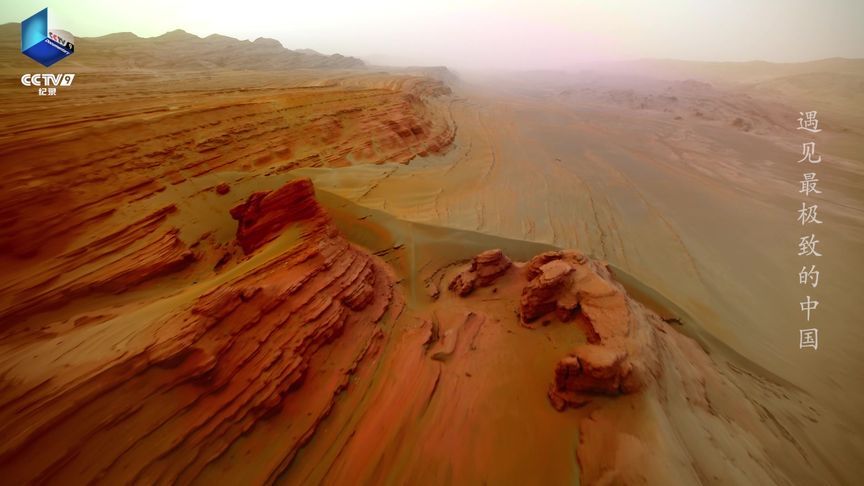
[228, 262]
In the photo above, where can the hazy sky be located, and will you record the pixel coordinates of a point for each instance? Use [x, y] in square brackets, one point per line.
[485, 33]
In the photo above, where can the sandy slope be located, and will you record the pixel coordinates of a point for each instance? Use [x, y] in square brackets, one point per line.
[699, 210]
[698, 207]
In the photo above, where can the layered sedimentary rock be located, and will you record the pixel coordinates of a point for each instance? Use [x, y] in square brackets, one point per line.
[142, 138]
[543, 292]
[264, 214]
[566, 282]
[616, 358]
[172, 389]
[652, 406]
[592, 369]
[485, 268]
[111, 264]
[171, 309]
[139, 342]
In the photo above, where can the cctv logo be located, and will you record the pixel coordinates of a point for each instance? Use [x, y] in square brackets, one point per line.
[44, 46]
[47, 79]
[47, 83]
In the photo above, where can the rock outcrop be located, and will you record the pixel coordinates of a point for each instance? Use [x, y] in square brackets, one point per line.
[167, 392]
[485, 269]
[593, 369]
[568, 283]
[223, 188]
[264, 214]
[81, 161]
[124, 259]
[572, 287]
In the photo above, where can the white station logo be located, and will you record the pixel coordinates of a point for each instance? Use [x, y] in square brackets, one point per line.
[47, 79]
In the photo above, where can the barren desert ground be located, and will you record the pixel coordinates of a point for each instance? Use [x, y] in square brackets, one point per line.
[269, 266]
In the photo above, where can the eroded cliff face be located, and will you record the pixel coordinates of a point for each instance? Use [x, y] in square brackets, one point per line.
[112, 264]
[169, 287]
[240, 370]
[263, 216]
[73, 161]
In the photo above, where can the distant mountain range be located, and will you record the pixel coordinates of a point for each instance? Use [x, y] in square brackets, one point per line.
[175, 50]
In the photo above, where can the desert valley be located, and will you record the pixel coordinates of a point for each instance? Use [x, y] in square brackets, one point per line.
[234, 263]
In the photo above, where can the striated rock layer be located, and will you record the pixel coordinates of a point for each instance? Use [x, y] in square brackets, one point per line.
[105, 145]
[112, 264]
[183, 384]
[264, 214]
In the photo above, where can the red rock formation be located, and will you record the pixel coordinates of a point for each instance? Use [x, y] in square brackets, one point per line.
[592, 368]
[223, 188]
[543, 292]
[162, 132]
[552, 286]
[113, 263]
[264, 214]
[568, 284]
[485, 269]
[165, 393]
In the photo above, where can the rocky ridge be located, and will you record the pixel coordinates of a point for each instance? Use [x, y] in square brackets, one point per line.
[119, 153]
[618, 357]
[189, 381]
[180, 50]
